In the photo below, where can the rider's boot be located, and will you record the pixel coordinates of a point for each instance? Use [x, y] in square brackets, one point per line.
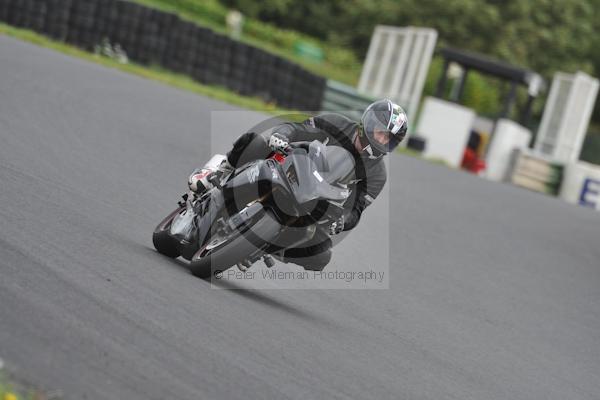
[202, 179]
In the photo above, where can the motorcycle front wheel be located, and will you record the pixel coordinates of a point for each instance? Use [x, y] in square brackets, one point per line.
[163, 242]
[225, 251]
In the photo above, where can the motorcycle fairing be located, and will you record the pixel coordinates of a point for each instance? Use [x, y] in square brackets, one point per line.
[210, 211]
[314, 172]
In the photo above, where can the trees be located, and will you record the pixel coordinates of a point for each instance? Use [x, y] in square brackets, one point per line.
[544, 35]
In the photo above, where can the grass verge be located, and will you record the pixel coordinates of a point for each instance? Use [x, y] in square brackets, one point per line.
[155, 73]
[10, 390]
[339, 63]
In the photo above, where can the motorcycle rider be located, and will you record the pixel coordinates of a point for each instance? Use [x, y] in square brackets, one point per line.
[382, 127]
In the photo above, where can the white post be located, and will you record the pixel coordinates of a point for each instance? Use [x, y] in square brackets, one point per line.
[413, 63]
[396, 86]
[384, 66]
[566, 116]
[421, 76]
[368, 68]
[396, 65]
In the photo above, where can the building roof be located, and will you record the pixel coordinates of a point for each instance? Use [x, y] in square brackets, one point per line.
[500, 69]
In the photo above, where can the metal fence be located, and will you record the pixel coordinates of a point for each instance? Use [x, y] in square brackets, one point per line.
[345, 100]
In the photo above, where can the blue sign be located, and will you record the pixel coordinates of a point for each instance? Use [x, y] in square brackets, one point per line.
[590, 194]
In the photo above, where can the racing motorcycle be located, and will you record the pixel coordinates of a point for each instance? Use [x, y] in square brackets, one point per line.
[259, 209]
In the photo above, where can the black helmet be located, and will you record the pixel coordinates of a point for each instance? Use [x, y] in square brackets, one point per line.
[384, 126]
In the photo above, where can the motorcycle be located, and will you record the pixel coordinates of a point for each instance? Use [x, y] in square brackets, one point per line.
[259, 209]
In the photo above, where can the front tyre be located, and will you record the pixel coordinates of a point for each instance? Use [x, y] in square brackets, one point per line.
[163, 242]
[222, 253]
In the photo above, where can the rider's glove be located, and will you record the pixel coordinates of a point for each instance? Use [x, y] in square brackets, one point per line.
[278, 143]
[337, 226]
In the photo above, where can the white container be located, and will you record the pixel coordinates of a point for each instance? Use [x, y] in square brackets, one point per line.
[581, 184]
[508, 136]
[446, 126]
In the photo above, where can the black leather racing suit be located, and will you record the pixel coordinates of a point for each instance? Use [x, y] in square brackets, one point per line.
[340, 131]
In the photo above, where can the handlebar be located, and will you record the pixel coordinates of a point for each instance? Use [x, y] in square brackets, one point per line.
[297, 145]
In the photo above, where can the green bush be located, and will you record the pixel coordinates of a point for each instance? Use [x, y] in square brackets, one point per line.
[481, 92]
[590, 151]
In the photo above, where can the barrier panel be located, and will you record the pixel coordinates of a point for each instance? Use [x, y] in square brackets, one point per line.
[535, 172]
[153, 37]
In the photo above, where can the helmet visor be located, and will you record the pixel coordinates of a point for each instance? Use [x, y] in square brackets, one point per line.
[378, 134]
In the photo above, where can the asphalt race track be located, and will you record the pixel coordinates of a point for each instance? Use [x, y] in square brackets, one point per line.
[494, 291]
